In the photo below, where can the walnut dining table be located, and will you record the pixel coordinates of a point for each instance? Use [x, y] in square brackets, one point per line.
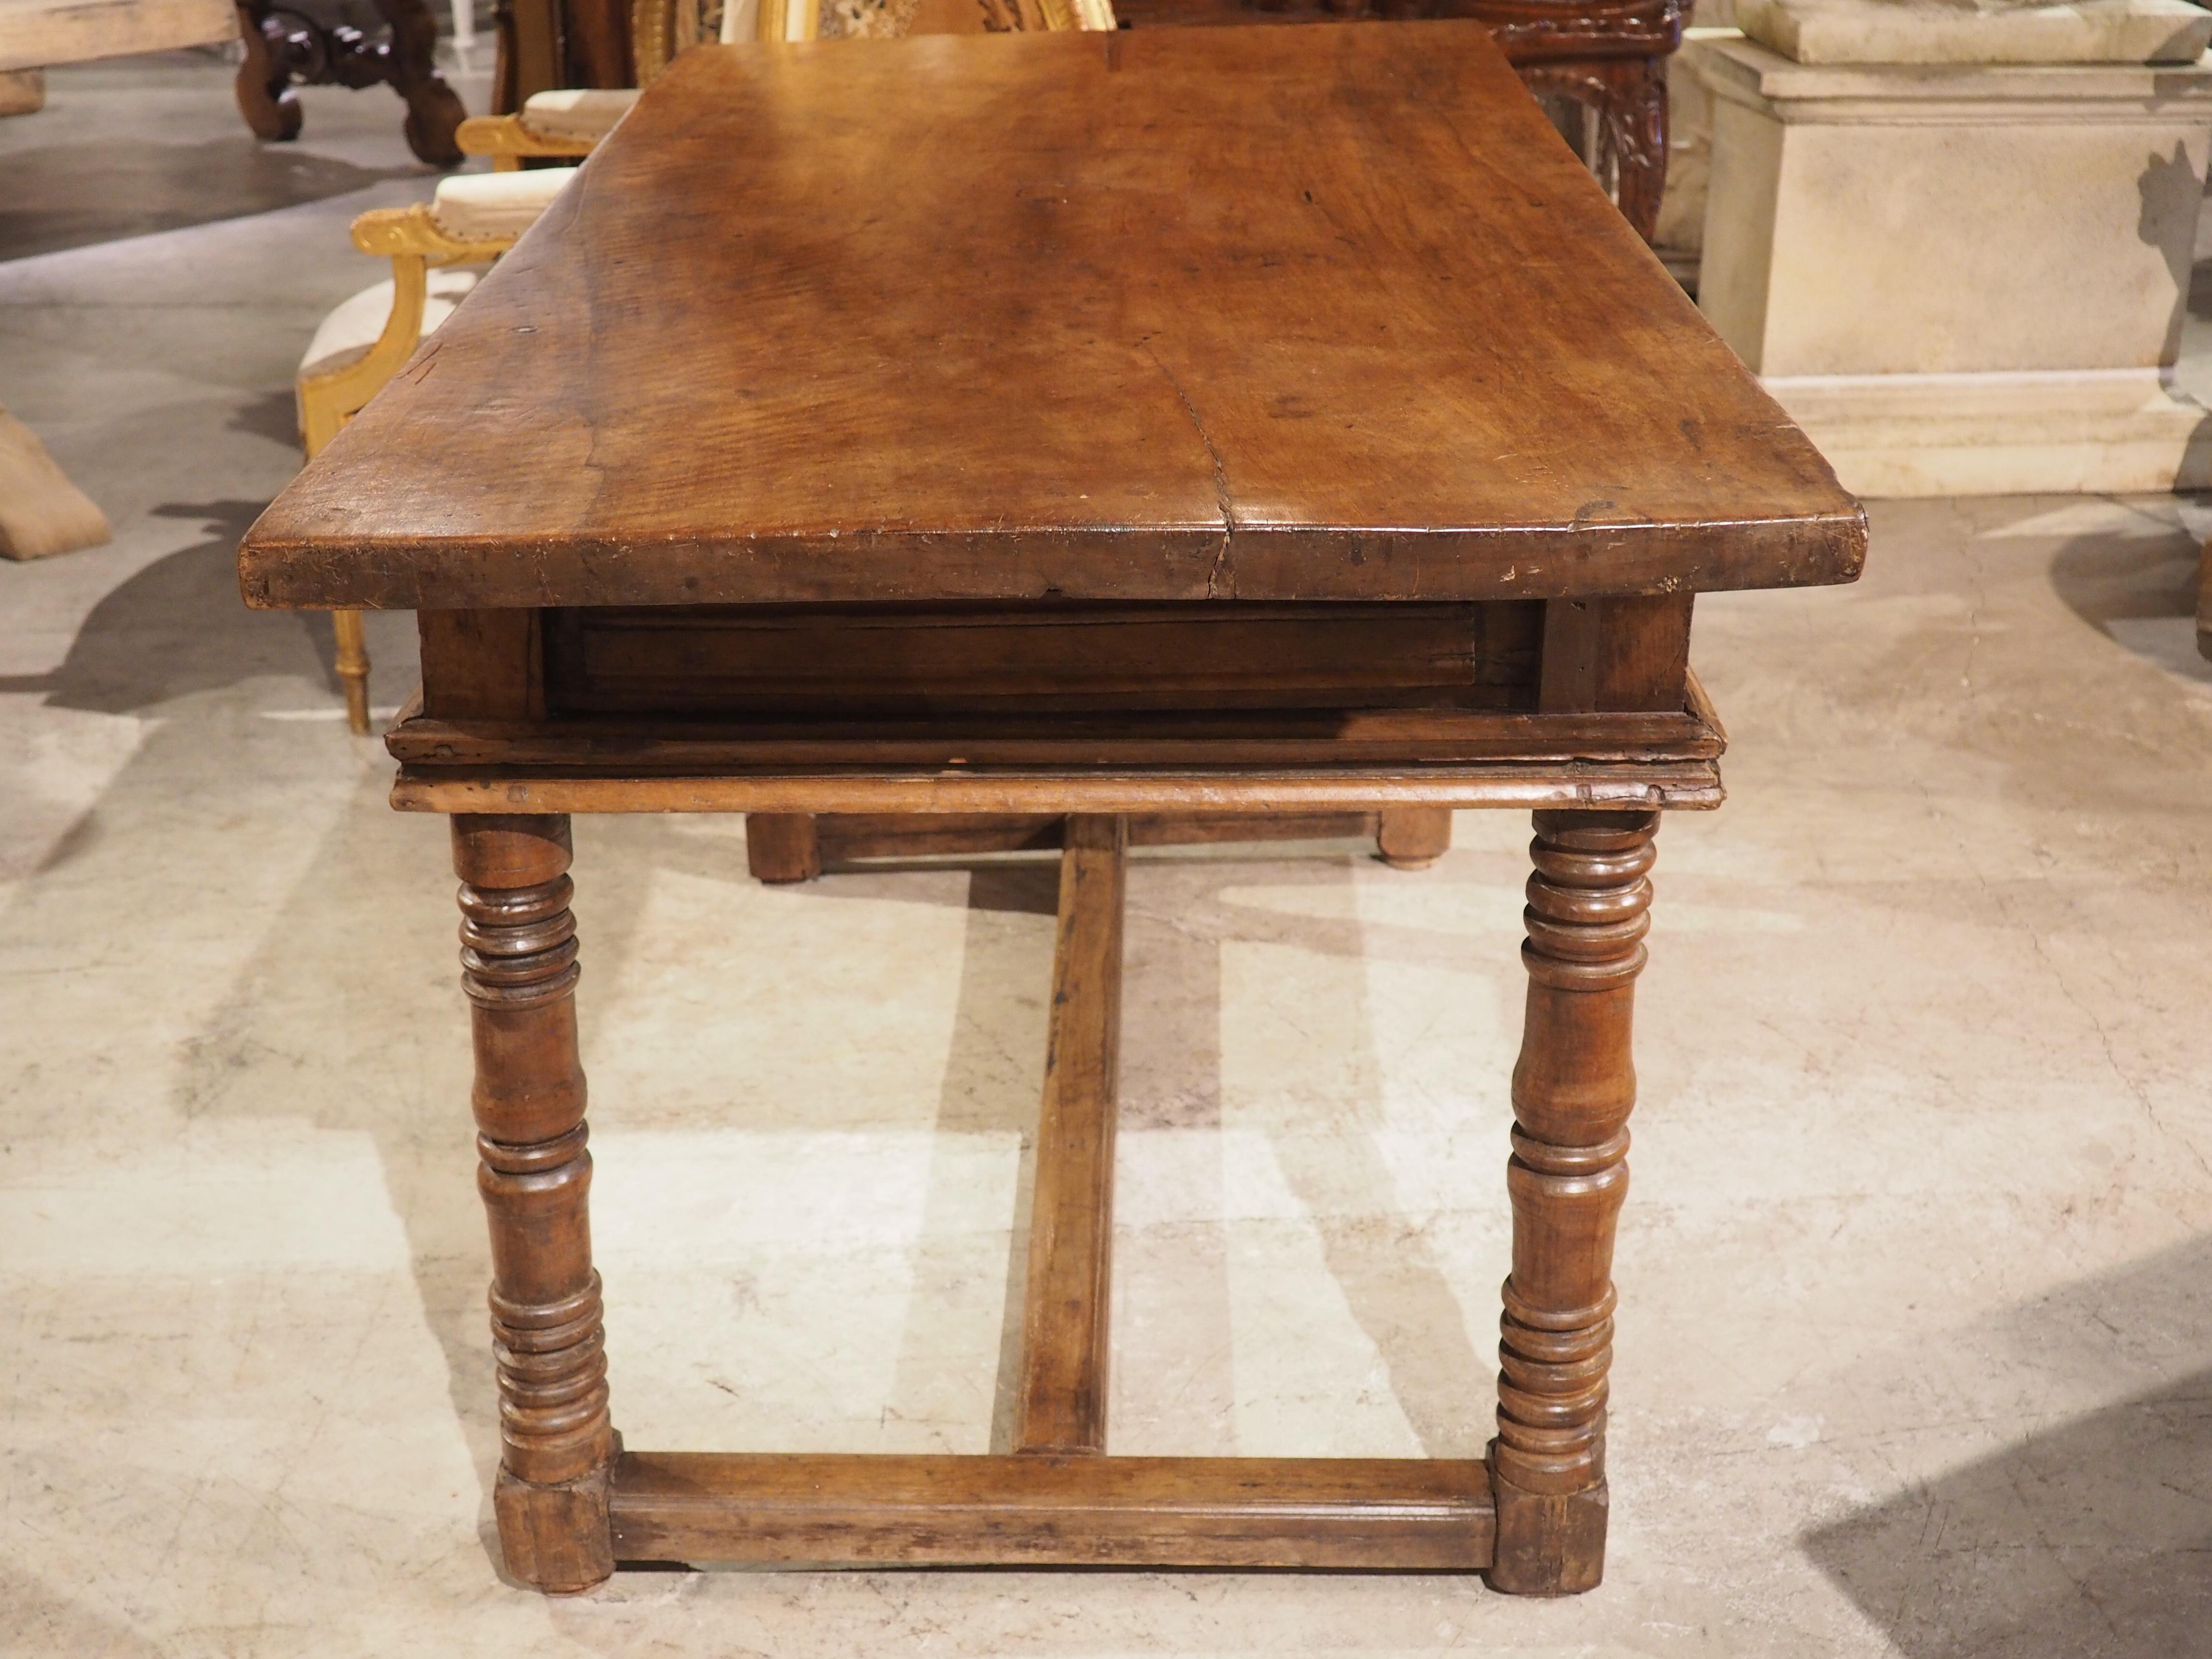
[1064, 439]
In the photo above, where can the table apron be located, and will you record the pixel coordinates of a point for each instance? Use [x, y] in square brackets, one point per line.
[1674, 786]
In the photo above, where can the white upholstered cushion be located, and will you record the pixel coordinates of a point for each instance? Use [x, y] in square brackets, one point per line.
[474, 207]
[579, 115]
[345, 336]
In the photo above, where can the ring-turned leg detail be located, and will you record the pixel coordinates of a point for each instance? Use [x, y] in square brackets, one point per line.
[518, 967]
[1572, 1092]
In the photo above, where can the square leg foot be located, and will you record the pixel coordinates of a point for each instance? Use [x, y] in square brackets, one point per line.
[1547, 1545]
[1413, 838]
[783, 847]
[557, 1539]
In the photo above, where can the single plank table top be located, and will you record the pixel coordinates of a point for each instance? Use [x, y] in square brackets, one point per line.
[1248, 314]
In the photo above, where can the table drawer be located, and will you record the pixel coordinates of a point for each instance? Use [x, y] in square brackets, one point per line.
[858, 662]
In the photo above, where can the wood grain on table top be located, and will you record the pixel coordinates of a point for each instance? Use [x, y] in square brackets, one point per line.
[1325, 313]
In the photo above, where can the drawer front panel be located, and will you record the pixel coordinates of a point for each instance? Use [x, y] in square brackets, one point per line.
[857, 663]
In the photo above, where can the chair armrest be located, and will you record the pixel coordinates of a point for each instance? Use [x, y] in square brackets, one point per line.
[579, 115]
[563, 125]
[473, 219]
[399, 233]
[414, 239]
[509, 143]
[475, 209]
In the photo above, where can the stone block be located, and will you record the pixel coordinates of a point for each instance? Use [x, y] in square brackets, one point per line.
[1924, 32]
[1880, 239]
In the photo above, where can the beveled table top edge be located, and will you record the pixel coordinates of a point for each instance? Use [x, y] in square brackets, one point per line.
[1260, 563]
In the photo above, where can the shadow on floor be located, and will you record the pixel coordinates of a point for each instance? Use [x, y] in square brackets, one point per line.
[2139, 590]
[1184, 916]
[2090, 1540]
[271, 415]
[179, 627]
[80, 195]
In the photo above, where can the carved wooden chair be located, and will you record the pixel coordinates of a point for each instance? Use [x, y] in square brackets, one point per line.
[564, 125]
[1608, 57]
[439, 249]
[285, 48]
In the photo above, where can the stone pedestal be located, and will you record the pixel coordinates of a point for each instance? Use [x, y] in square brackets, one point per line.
[1962, 275]
[1680, 238]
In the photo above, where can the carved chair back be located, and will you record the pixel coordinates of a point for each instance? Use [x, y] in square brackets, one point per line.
[661, 30]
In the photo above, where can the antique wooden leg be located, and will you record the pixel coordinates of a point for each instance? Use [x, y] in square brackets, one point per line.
[264, 83]
[518, 967]
[1572, 1090]
[434, 111]
[782, 846]
[1413, 838]
[353, 667]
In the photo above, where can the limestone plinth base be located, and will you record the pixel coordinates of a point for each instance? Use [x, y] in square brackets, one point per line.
[2118, 431]
[1681, 240]
[1961, 278]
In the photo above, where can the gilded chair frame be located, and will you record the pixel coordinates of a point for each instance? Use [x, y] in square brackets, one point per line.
[412, 240]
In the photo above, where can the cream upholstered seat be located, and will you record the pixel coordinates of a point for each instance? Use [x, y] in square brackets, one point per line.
[469, 208]
[560, 126]
[478, 213]
[481, 207]
[345, 337]
[580, 114]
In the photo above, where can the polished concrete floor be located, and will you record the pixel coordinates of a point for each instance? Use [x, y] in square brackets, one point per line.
[1916, 1346]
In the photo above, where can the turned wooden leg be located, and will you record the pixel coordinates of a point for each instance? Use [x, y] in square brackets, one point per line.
[1413, 838]
[353, 667]
[1572, 1090]
[518, 967]
[782, 846]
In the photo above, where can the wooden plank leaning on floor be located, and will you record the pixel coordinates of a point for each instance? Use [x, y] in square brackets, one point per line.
[41, 512]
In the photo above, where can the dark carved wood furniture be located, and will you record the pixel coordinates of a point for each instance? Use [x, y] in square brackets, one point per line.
[1152, 430]
[1608, 55]
[285, 48]
[546, 45]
